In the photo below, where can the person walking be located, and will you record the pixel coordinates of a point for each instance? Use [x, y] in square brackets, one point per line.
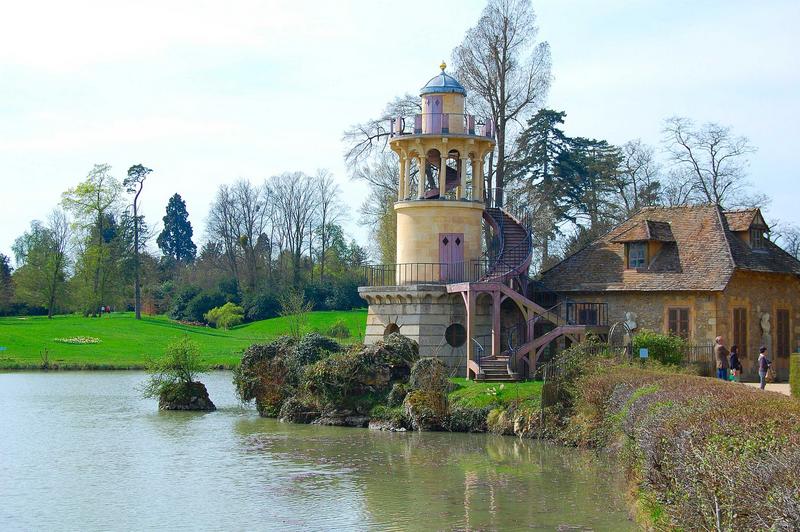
[763, 366]
[721, 354]
[735, 364]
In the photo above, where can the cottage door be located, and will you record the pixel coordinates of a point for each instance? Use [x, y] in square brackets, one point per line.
[451, 257]
[433, 118]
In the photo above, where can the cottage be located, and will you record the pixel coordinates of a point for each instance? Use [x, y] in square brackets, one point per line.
[696, 272]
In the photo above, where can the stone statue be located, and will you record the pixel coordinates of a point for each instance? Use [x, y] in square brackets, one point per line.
[765, 325]
[630, 321]
[766, 339]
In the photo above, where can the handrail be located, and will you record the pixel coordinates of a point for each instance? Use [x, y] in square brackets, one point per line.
[441, 124]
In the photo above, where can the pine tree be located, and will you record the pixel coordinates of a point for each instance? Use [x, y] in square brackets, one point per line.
[176, 239]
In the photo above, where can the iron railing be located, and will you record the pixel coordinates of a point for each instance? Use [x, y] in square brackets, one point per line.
[441, 124]
[424, 273]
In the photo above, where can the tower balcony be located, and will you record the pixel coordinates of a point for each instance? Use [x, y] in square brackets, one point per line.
[441, 124]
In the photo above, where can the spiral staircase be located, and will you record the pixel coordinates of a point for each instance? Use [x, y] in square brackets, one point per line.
[514, 352]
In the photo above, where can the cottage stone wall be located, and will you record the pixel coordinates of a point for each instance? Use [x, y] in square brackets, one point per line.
[762, 293]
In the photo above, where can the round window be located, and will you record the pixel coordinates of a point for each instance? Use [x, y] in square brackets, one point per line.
[455, 335]
[391, 328]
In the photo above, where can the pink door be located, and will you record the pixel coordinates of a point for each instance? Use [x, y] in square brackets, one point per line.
[433, 118]
[451, 257]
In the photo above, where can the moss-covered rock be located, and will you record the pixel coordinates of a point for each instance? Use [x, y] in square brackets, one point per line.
[296, 411]
[430, 374]
[426, 410]
[397, 394]
[465, 419]
[185, 396]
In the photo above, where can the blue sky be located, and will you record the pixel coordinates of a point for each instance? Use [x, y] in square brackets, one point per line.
[205, 92]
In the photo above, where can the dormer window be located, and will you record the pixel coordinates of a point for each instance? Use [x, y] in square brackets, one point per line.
[756, 238]
[637, 255]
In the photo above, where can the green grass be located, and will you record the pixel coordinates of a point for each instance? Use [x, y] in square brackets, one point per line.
[476, 394]
[126, 343]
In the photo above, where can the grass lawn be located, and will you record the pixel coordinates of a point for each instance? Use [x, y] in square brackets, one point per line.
[126, 343]
[476, 394]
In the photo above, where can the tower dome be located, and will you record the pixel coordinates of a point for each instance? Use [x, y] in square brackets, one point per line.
[443, 83]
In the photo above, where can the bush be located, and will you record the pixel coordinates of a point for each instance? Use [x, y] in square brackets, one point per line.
[260, 306]
[201, 304]
[311, 348]
[666, 349]
[224, 317]
[708, 454]
[338, 330]
[463, 419]
[794, 374]
[180, 365]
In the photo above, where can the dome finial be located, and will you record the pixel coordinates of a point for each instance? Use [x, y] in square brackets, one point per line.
[443, 65]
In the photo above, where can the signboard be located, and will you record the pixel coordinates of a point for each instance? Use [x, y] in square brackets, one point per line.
[3, 348]
[643, 352]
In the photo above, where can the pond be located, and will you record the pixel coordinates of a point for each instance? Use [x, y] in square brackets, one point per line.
[82, 450]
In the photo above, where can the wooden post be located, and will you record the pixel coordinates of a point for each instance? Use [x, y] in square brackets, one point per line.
[496, 340]
[470, 302]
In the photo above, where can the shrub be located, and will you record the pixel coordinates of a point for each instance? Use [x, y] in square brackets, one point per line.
[260, 306]
[338, 330]
[794, 374]
[224, 317]
[180, 365]
[710, 454]
[666, 349]
[464, 419]
[311, 348]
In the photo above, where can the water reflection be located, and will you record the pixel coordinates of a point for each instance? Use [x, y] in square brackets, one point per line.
[82, 450]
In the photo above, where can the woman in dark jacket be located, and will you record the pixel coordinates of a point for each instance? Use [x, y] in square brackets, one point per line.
[735, 365]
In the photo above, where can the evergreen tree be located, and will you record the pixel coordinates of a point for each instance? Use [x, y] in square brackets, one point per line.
[535, 170]
[6, 285]
[176, 239]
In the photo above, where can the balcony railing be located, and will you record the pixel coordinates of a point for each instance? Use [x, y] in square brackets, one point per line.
[587, 313]
[424, 273]
[440, 124]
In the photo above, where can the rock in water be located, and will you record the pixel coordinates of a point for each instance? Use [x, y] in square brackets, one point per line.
[183, 396]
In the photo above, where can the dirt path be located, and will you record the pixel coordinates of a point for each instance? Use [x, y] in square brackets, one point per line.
[779, 387]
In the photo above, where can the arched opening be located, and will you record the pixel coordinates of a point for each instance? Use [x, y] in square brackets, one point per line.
[433, 162]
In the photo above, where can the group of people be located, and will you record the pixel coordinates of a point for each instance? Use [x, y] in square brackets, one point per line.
[728, 361]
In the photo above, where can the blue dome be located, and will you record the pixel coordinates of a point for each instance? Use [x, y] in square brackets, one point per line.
[443, 83]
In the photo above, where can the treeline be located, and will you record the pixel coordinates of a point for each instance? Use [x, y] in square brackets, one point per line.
[280, 240]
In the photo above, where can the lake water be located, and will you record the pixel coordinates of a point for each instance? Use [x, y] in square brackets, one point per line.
[82, 451]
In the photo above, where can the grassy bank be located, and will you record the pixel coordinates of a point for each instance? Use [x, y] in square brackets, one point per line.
[701, 453]
[125, 343]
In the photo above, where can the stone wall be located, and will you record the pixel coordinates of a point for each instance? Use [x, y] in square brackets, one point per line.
[760, 294]
[423, 313]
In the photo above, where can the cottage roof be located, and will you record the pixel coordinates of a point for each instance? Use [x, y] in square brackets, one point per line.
[742, 220]
[702, 253]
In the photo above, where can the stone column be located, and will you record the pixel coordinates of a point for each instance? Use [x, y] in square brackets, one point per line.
[442, 172]
[401, 192]
[407, 179]
[421, 178]
[480, 179]
[462, 192]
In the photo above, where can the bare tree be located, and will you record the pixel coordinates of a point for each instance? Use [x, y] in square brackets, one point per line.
[221, 227]
[329, 212]
[787, 236]
[377, 211]
[294, 201]
[500, 61]
[679, 189]
[638, 182]
[370, 138]
[714, 159]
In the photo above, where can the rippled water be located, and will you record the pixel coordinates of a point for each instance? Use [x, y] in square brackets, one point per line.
[81, 451]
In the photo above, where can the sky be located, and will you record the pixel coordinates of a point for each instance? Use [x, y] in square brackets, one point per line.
[206, 92]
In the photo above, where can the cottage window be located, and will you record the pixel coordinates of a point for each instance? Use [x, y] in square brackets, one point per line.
[740, 329]
[756, 238]
[782, 333]
[637, 254]
[678, 322]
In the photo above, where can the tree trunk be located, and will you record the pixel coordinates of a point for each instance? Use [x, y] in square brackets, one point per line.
[137, 292]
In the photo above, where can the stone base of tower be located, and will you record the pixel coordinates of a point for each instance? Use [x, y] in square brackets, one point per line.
[427, 314]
